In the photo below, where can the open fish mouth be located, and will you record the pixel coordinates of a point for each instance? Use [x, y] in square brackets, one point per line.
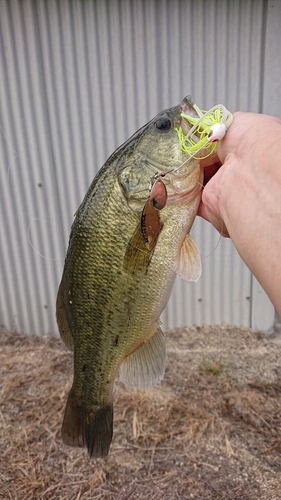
[187, 108]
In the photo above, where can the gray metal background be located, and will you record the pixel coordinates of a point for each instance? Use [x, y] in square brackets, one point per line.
[77, 79]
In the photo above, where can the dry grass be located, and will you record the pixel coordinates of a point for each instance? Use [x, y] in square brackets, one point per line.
[211, 430]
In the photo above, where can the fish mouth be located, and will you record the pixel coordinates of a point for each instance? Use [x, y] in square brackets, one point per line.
[187, 107]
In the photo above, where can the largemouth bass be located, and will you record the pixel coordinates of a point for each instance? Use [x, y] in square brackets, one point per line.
[129, 239]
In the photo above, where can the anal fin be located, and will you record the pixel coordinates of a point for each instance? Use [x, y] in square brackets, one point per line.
[145, 367]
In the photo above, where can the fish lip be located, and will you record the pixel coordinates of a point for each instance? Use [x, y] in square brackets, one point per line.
[187, 107]
[187, 104]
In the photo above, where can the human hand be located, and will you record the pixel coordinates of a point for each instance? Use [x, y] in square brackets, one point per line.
[242, 195]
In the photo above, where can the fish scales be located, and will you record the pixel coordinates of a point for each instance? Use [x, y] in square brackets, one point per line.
[114, 286]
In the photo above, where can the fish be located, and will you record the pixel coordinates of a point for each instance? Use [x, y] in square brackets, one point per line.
[129, 239]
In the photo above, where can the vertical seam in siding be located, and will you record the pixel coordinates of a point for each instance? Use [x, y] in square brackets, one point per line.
[263, 48]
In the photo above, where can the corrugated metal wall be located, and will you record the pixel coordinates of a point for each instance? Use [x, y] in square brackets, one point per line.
[77, 79]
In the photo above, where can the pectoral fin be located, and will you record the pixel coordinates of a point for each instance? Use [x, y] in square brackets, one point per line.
[188, 265]
[145, 367]
[141, 246]
[137, 255]
[150, 225]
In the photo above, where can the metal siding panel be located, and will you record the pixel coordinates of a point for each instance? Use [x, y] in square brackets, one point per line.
[77, 79]
[271, 103]
[263, 312]
[223, 293]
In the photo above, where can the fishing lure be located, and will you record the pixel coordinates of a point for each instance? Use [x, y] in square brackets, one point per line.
[210, 127]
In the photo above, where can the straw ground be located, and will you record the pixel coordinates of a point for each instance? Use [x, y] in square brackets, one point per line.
[210, 430]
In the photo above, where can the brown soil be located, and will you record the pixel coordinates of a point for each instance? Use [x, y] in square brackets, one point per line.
[210, 430]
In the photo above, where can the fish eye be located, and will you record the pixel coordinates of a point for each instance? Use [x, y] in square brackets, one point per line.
[163, 123]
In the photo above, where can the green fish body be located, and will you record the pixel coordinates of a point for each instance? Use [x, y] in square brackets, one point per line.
[121, 263]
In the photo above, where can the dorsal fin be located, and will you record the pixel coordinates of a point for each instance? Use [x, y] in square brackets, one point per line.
[62, 321]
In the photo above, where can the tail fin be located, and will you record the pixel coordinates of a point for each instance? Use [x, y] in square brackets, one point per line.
[92, 429]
